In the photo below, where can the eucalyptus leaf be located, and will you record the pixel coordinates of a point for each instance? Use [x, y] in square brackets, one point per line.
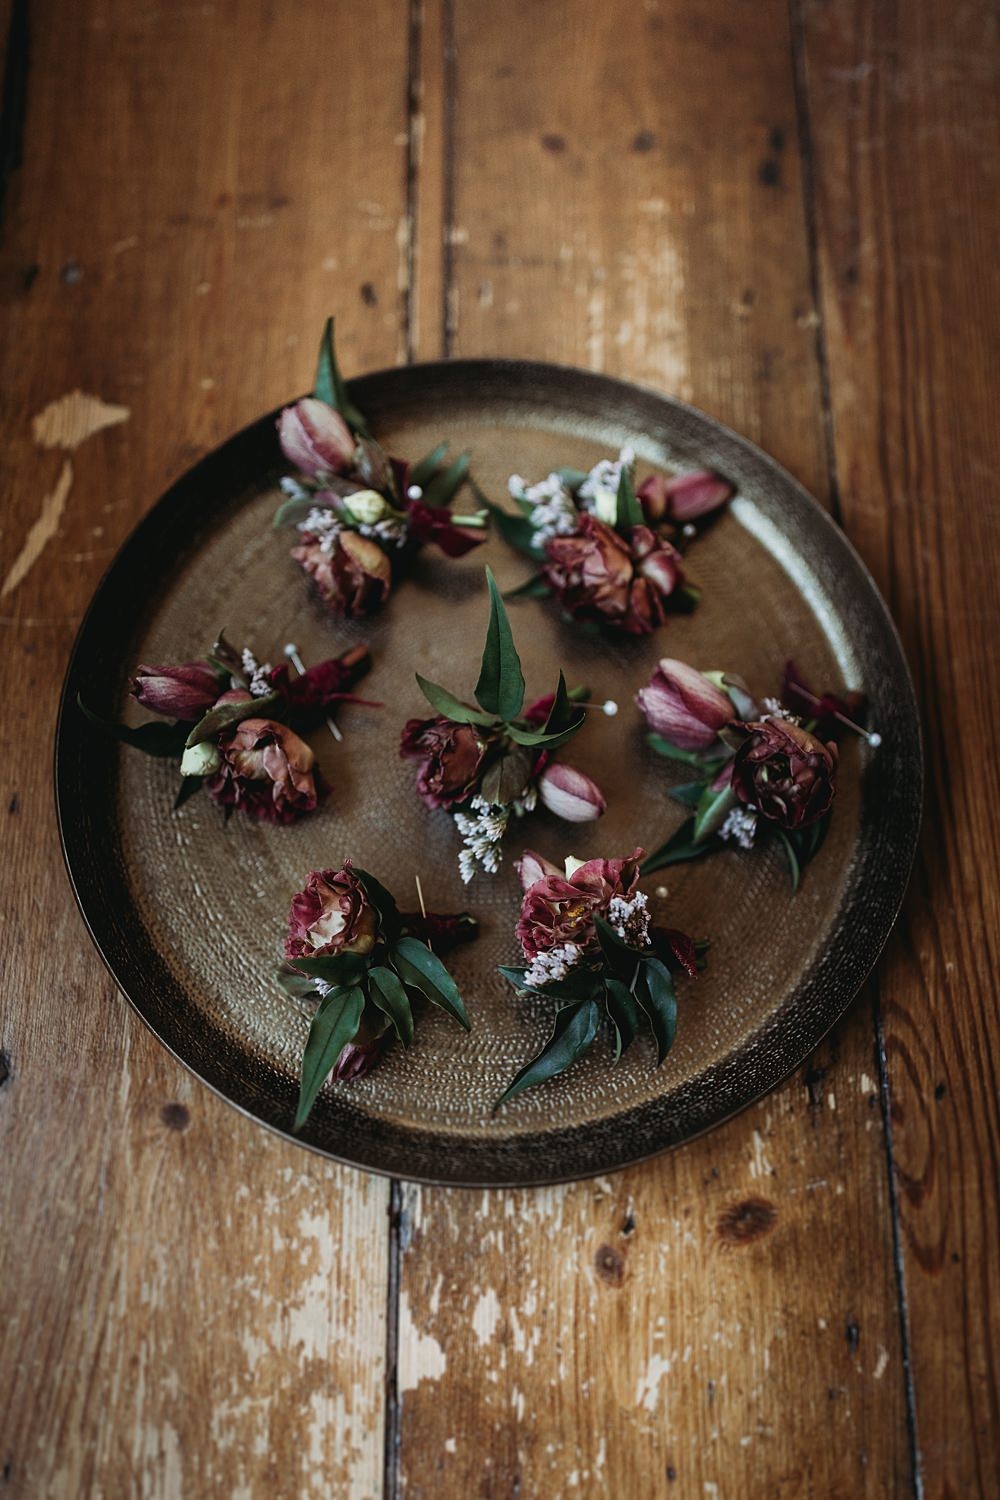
[386, 991]
[453, 708]
[416, 965]
[575, 1028]
[329, 384]
[228, 715]
[424, 471]
[628, 511]
[157, 737]
[624, 1013]
[334, 1025]
[655, 993]
[712, 811]
[500, 689]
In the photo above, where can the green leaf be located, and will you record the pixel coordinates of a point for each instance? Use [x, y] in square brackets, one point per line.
[507, 777]
[425, 470]
[418, 966]
[298, 986]
[572, 478]
[517, 531]
[332, 968]
[500, 689]
[535, 588]
[157, 737]
[712, 811]
[655, 993]
[576, 1027]
[537, 738]
[564, 713]
[678, 848]
[334, 1025]
[794, 868]
[329, 384]
[383, 901]
[621, 958]
[624, 1013]
[707, 761]
[579, 984]
[389, 995]
[628, 512]
[189, 785]
[227, 715]
[452, 708]
[688, 795]
[445, 485]
[295, 509]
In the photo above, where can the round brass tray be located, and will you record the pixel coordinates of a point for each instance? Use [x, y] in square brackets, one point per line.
[189, 914]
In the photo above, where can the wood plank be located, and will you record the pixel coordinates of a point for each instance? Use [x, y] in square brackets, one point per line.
[904, 113]
[626, 193]
[190, 1306]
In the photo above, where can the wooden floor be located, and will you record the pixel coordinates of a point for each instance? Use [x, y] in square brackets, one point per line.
[783, 213]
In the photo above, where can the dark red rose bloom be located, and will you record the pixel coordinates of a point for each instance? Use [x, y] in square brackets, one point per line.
[268, 772]
[326, 683]
[600, 576]
[798, 696]
[785, 772]
[433, 523]
[451, 757]
[184, 692]
[558, 909]
[352, 577]
[332, 915]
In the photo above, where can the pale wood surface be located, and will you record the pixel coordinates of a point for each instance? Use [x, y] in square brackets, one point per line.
[784, 218]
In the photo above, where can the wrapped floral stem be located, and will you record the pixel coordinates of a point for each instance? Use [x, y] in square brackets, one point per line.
[763, 770]
[363, 964]
[589, 946]
[236, 726]
[493, 761]
[360, 514]
[609, 552]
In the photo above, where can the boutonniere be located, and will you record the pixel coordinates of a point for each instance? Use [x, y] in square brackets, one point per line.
[610, 553]
[360, 514]
[236, 725]
[588, 946]
[764, 770]
[492, 762]
[361, 964]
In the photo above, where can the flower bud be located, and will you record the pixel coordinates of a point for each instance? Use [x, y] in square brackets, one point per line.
[315, 438]
[683, 706]
[201, 760]
[367, 506]
[569, 794]
[605, 506]
[532, 867]
[182, 692]
[696, 494]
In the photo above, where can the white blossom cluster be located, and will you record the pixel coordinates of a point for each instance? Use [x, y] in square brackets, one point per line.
[630, 919]
[392, 531]
[293, 489]
[256, 674]
[553, 512]
[482, 829]
[740, 826]
[602, 481]
[775, 709]
[555, 964]
[323, 525]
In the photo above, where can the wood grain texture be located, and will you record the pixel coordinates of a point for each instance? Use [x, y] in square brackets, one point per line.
[190, 1306]
[904, 116]
[642, 211]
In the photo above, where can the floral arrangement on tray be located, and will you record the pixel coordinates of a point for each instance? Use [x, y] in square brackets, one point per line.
[610, 553]
[363, 965]
[236, 725]
[494, 761]
[360, 514]
[764, 770]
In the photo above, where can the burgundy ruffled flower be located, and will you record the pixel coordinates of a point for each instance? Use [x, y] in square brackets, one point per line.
[599, 576]
[433, 523]
[332, 915]
[558, 909]
[785, 772]
[352, 575]
[267, 771]
[451, 757]
[326, 683]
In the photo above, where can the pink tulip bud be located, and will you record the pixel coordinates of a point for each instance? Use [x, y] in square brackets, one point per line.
[532, 867]
[569, 794]
[683, 706]
[183, 692]
[692, 495]
[315, 438]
